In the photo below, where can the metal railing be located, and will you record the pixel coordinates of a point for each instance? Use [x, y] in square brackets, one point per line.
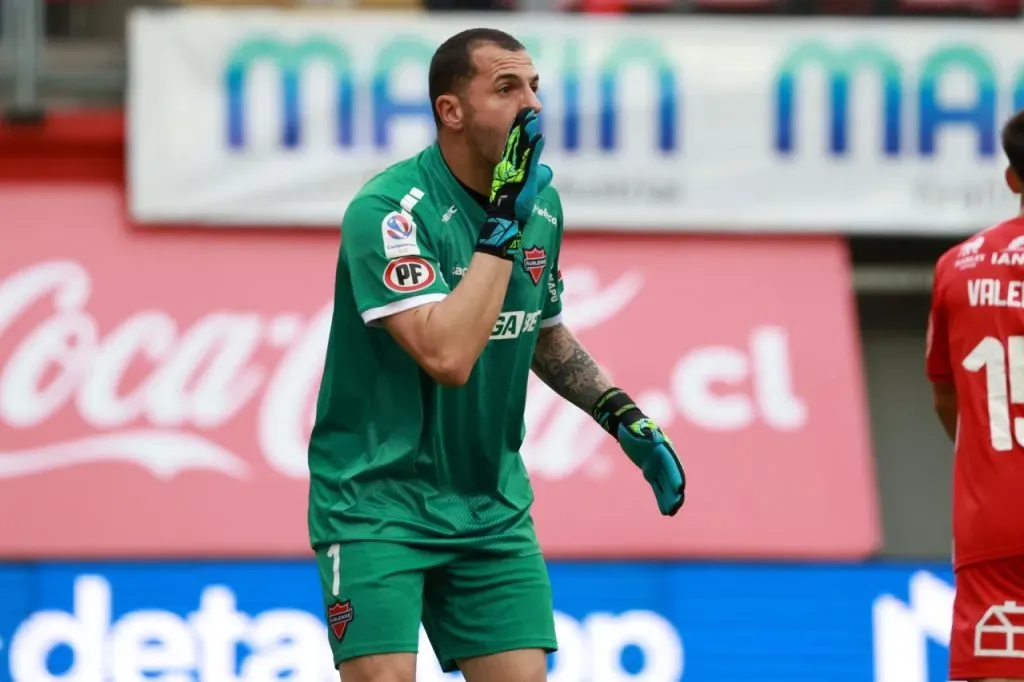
[22, 37]
[62, 53]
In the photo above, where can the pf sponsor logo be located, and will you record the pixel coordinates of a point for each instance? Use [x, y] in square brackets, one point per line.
[409, 274]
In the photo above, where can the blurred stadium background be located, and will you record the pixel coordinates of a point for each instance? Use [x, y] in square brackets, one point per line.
[762, 186]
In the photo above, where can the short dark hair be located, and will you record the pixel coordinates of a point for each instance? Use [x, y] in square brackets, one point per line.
[1013, 143]
[452, 63]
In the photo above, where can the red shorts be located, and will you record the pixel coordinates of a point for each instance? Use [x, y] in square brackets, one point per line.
[988, 621]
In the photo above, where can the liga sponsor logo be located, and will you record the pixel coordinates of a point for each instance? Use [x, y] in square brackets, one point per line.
[175, 367]
[511, 324]
[398, 230]
[398, 226]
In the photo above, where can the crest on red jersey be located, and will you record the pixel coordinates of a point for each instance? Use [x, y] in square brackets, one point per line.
[535, 259]
[339, 615]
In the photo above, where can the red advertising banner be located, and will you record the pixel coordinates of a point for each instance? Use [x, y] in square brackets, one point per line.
[157, 390]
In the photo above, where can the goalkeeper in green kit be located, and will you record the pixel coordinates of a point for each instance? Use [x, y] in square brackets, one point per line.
[447, 295]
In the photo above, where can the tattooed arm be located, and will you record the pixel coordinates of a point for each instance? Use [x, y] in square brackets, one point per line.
[564, 365]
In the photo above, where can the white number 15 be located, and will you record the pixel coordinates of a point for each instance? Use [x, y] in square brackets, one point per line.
[1002, 378]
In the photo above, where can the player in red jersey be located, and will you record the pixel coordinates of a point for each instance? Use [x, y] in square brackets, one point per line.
[975, 361]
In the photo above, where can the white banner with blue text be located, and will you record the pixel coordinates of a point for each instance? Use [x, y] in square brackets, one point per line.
[261, 117]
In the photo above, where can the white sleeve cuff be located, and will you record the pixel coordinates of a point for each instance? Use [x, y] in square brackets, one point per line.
[551, 321]
[373, 316]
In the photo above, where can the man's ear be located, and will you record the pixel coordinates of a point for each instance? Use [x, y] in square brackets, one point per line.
[449, 110]
[1012, 181]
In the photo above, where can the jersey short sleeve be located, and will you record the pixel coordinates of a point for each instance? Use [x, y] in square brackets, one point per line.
[937, 337]
[552, 311]
[391, 265]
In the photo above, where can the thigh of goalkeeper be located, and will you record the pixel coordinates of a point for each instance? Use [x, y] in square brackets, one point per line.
[471, 601]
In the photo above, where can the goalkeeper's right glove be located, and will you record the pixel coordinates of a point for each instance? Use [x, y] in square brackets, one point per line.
[518, 178]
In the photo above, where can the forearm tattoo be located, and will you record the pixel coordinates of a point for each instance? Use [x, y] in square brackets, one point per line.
[564, 365]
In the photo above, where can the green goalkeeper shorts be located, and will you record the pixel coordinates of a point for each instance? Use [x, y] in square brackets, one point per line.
[471, 602]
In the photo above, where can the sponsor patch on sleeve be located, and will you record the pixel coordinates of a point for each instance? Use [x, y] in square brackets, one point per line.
[398, 230]
[408, 274]
[553, 279]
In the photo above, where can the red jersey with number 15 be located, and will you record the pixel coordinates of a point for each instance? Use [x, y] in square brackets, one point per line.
[976, 341]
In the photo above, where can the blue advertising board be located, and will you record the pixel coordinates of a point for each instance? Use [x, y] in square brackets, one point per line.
[263, 621]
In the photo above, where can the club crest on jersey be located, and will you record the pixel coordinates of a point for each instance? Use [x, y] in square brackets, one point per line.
[535, 259]
[398, 230]
[408, 274]
[339, 615]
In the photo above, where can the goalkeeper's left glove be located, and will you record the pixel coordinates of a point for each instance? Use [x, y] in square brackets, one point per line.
[646, 445]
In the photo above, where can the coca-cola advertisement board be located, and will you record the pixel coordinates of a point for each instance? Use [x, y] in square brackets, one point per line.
[157, 390]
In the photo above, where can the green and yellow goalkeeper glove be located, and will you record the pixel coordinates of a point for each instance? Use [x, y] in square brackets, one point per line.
[518, 178]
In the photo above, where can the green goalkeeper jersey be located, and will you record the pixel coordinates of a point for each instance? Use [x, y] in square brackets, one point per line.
[393, 454]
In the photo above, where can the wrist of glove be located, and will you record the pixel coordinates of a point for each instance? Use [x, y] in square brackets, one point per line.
[500, 237]
[646, 445]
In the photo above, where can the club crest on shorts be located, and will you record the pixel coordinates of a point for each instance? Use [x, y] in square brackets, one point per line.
[535, 259]
[339, 615]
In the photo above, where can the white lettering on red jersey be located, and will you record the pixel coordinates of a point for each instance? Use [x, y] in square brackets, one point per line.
[975, 341]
